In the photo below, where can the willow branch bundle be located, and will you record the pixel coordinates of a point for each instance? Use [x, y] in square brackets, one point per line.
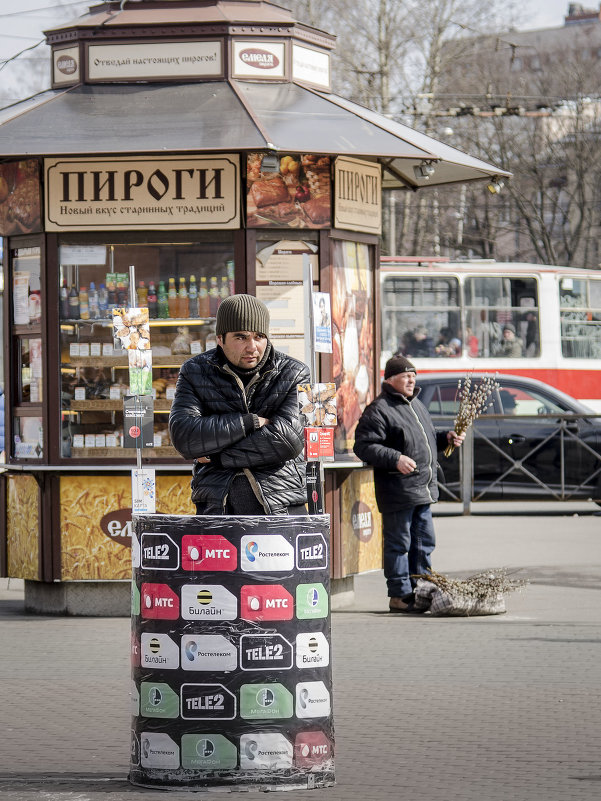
[473, 401]
[483, 586]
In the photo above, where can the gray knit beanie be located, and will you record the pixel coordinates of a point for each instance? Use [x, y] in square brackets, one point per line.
[242, 313]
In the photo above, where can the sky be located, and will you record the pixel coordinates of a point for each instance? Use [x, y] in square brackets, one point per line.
[22, 23]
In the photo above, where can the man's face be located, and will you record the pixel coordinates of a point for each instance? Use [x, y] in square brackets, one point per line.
[243, 348]
[508, 334]
[403, 383]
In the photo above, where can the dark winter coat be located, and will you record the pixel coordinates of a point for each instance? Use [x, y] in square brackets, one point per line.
[391, 426]
[209, 417]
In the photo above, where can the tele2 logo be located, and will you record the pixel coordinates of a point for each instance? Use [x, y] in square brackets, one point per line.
[311, 552]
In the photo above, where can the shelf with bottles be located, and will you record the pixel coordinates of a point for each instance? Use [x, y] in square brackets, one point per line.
[167, 301]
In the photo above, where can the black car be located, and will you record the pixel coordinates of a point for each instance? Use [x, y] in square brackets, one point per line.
[532, 443]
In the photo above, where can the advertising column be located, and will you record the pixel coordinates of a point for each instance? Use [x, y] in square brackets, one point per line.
[231, 673]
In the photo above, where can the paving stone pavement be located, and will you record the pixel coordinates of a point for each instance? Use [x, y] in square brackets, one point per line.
[491, 708]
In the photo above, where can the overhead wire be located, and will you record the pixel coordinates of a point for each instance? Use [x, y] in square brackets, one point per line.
[4, 62]
[25, 12]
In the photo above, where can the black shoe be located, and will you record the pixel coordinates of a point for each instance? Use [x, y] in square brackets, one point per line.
[397, 604]
[411, 609]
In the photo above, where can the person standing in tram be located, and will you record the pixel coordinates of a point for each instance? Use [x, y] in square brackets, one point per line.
[235, 413]
[396, 436]
[511, 345]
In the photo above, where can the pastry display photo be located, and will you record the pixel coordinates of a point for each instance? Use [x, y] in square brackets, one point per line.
[352, 339]
[131, 329]
[297, 195]
[317, 404]
[19, 198]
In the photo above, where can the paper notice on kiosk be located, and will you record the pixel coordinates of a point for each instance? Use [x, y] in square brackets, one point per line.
[143, 491]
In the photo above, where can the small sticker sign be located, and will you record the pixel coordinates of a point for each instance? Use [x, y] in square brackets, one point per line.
[138, 421]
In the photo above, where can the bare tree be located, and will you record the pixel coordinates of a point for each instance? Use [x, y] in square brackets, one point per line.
[551, 212]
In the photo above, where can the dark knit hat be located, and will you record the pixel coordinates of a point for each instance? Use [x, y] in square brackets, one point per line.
[242, 313]
[396, 365]
[509, 327]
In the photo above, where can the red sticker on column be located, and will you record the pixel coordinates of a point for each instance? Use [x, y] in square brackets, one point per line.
[134, 432]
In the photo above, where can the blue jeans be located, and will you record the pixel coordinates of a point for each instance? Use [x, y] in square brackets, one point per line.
[408, 542]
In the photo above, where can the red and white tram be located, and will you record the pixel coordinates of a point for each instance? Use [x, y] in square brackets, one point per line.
[526, 319]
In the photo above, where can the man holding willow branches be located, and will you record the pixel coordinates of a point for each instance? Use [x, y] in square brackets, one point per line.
[396, 436]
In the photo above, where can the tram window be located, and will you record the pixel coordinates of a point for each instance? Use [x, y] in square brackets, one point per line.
[502, 318]
[580, 303]
[420, 316]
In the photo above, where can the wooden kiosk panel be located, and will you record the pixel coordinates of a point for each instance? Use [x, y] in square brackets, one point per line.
[95, 522]
[22, 526]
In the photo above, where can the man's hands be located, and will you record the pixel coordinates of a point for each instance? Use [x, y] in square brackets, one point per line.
[406, 465]
[455, 439]
[263, 421]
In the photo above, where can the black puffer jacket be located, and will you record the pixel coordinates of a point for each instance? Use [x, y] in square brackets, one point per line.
[207, 419]
[393, 425]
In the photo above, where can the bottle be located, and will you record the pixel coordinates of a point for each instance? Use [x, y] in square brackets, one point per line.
[93, 302]
[152, 300]
[73, 303]
[142, 295]
[103, 301]
[182, 300]
[112, 297]
[64, 300]
[172, 298]
[84, 306]
[203, 298]
[224, 292]
[213, 297]
[162, 302]
[122, 294]
[193, 298]
[229, 265]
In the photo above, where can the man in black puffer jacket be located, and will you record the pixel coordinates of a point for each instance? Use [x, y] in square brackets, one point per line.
[235, 412]
[396, 436]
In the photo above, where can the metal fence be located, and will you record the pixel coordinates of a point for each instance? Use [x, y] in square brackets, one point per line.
[562, 485]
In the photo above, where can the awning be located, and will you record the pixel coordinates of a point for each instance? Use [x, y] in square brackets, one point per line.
[451, 165]
[234, 116]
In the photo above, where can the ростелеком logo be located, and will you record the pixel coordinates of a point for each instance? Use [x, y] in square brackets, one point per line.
[263, 553]
[251, 549]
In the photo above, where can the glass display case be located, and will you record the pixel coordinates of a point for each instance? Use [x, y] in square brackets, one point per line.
[182, 286]
[27, 353]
